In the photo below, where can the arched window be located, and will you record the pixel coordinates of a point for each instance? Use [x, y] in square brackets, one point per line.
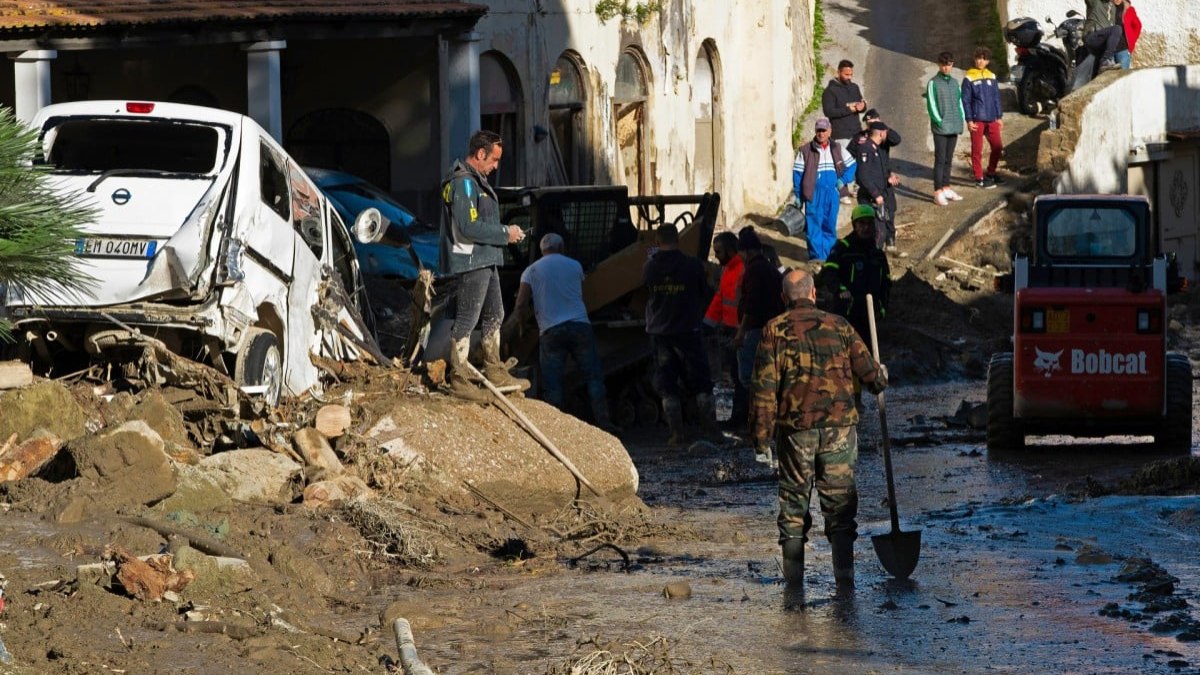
[629, 111]
[345, 140]
[500, 111]
[707, 119]
[568, 119]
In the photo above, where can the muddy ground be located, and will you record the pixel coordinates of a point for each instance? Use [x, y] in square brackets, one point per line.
[1074, 557]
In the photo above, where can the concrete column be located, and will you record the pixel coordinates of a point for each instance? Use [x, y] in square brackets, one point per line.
[458, 59]
[32, 74]
[264, 102]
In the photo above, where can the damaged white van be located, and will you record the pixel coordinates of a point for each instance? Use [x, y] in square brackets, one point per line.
[209, 240]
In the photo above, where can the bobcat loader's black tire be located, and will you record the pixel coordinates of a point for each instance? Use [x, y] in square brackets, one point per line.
[1176, 432]
[1004, 433]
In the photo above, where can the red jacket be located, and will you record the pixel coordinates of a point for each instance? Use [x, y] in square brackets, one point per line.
[1132, 26]
[722, 311]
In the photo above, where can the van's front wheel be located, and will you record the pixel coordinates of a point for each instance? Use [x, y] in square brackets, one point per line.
[259, 364]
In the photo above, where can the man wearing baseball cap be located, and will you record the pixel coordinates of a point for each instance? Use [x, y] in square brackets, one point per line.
[876, 182]
[821, 172]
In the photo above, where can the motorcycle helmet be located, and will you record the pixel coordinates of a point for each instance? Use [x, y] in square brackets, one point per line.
[1024, 32]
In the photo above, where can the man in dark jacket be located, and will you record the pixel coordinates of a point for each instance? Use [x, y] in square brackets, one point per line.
[842, 103]
[876, 182]
[760, 301]
[893, 137]
[472, 247]
[674, 312]
[855, 268]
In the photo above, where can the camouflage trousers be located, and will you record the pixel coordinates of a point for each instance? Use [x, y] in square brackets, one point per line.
[824, 457]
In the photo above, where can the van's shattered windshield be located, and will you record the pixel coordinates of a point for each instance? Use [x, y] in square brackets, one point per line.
[1091, 232]
[105, 145]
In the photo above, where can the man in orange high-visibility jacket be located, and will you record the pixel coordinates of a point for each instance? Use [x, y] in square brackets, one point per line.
[722, 317]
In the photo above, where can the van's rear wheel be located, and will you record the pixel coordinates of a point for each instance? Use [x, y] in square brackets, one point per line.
[1176, 432]
[259, 364]
[1004, 433]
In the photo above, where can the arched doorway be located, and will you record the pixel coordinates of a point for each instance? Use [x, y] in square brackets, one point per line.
[500, 111]
[630, 101]
[345, 140]
[568, 119]
[706, 115]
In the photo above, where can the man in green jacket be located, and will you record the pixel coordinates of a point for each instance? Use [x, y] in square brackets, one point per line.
[472, 248]
[943, 98]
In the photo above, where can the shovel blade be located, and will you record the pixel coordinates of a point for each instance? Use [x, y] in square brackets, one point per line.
[898, 552]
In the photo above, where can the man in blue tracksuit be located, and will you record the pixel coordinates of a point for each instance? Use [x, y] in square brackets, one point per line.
[821, 170]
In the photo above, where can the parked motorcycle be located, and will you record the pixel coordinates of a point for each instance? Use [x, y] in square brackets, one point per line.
[1045, 73]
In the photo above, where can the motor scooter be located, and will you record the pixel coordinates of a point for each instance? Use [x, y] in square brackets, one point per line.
[1045, 73]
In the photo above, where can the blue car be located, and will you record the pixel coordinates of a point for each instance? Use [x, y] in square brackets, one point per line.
[350, 196]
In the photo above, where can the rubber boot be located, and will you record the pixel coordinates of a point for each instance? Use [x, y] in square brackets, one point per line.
[843, 559]
[494, 369]
[673, 411]
[603, 419]
[708, 419]
[793, 562]
[458, 383]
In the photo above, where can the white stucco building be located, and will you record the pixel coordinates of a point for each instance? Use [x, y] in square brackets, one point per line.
[700, 97]
[1169, 27]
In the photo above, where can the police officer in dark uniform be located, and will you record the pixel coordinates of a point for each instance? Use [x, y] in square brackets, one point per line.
[876, 182]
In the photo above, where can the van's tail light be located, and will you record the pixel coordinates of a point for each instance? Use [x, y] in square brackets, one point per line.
[139, 108]
[1149, 321]
[1033, 320]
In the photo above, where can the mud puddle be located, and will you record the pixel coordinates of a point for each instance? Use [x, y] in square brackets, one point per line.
[1016, 568]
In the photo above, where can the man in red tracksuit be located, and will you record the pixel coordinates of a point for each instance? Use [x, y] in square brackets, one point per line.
[722, 316]
[985, 120]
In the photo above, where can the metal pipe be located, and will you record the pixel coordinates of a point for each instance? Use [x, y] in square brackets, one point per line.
[409, 661]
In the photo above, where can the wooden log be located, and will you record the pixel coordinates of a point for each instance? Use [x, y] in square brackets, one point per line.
[29, 457]
[317, 453]
[15, 374]
[333, 420]
[340, 490]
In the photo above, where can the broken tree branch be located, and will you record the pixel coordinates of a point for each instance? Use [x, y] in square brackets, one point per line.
[200, 542]
[479, 493]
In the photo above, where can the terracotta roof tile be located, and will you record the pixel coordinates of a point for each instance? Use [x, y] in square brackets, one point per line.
[31, 14]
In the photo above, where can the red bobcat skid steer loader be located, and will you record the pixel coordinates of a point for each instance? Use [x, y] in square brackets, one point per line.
[1089, 342]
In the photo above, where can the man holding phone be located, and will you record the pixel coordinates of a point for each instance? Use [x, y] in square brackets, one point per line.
[471, 246]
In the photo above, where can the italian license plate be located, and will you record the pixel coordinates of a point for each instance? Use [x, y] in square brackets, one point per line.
[1058, 320]
[115, 248]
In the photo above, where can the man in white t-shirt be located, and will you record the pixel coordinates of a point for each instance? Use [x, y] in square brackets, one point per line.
[554, 284]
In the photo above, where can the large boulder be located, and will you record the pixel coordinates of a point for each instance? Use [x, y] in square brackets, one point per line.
[466, 442]
[258, 476]
[127, 466]
[45, 405]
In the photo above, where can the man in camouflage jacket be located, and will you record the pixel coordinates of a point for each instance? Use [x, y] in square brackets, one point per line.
[803, 397]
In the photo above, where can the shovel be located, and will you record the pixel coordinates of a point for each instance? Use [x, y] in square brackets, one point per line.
[898, 551]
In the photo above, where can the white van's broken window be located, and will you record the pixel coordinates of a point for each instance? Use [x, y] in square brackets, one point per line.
[273, 182]
[92, 145]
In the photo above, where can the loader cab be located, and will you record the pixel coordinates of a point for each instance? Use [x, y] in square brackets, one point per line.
[1093, 241]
